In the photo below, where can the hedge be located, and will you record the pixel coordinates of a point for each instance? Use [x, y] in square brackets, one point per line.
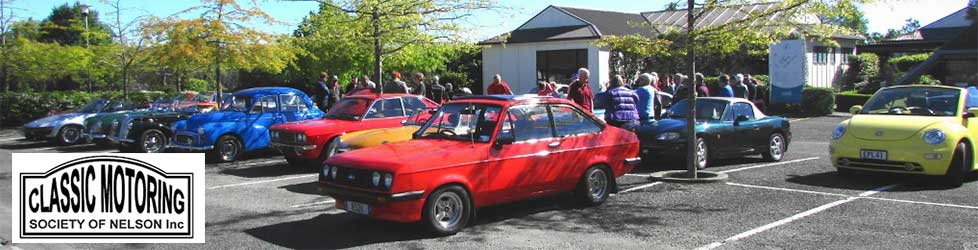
[814, 102]
[845, 100]
[22, 107]
[904, 63]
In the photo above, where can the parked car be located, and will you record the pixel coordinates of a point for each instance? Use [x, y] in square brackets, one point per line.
[242, 126]
[665, 99]
[314, 141]
[726, 128]
[478, 151]
[151, 132]
[380, 136]
[105, 128]
[66, 128]
[920, 130]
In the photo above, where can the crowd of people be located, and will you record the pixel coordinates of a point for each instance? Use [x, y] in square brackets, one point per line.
[330, 90]
[631, 103]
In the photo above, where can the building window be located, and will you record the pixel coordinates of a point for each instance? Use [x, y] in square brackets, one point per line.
[559, 65]
[824, 55]
[846, 52]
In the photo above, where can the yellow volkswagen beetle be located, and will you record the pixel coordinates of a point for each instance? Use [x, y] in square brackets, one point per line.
[374, 137]
[926, 130]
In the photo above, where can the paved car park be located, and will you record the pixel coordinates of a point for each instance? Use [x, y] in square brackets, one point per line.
[800, 203]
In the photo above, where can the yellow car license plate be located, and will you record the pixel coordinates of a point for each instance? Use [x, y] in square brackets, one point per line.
[873, 155]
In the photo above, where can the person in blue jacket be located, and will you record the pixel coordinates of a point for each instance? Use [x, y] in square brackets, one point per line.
[725, 89]
[646, 98]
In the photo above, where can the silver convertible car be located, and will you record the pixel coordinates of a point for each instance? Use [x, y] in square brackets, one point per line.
[66, 128]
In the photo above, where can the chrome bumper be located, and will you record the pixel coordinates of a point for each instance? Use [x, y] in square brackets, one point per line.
[633, 161]
[282, 146]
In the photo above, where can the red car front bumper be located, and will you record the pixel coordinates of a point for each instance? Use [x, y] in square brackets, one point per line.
[401, 207]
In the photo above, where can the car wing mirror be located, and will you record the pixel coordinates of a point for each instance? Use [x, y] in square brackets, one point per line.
[856, 109]
[971, 113]
[740, 118]
[503, 141]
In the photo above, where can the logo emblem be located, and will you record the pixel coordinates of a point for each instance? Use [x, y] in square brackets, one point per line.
[879, 132]
[118, 198]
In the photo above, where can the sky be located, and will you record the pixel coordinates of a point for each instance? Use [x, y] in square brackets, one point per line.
[882, 15]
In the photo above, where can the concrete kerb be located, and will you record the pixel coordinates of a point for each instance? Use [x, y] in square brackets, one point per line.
[681, 176]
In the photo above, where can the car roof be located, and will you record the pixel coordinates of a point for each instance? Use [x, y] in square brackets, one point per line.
[924, 86]
[380, 96]
[268, 91]
[511, 99]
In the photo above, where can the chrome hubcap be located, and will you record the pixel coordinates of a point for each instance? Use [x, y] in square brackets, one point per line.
[70, 135]
[777, 146]
[701, 154]
[448, 210]
[153, 142]
[229, 150]
[597, 183]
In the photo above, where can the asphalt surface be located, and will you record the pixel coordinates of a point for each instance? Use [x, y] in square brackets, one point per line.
[799, 203]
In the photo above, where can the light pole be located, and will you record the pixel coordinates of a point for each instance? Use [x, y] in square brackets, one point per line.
[84, 9]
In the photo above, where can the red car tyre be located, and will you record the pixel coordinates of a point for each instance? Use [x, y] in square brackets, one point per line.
[595, 186]
[447, 210]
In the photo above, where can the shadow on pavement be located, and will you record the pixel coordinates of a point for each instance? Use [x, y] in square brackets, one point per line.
[676, 163]
[304, 188]
[267, 170]
[82, 148]
[27, 145]
[869, 181]
[553, 213]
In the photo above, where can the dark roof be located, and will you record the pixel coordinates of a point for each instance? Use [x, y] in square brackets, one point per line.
[610, 23]
[599, 23]
[716, 16]
[546, 34]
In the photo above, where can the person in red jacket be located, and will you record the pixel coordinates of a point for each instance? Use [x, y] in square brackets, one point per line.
[580, 90]
[498, 87]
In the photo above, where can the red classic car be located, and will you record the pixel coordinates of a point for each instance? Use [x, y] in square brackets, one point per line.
[313, 141]
[478, 151]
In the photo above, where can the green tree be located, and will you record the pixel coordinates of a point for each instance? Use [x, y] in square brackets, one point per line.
[66, 25]
[391, 26]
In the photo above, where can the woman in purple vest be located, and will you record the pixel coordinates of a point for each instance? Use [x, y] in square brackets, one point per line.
[622, 105]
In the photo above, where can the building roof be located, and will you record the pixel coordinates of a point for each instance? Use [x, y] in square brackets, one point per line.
[948, 27]
[599, 23]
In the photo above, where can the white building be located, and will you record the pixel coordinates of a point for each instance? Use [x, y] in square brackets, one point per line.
[559, 40]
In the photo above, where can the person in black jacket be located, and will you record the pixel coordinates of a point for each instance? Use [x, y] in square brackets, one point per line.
[436, 92]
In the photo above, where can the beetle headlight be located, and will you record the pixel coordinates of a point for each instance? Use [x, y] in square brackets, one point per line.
[388, 180]
[200, 130]
[376, 179]
[667, 136]
[301, 138]
[934, 136]
[838, 132]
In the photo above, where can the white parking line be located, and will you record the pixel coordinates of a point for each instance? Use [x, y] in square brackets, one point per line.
[794, 218]
[923, 203]
[11, 139]
[639, 175]
[768, 165]
[329, 201]
[639, 187]
[799, 119]
[264, 181]
[785, 189]
[256, 163]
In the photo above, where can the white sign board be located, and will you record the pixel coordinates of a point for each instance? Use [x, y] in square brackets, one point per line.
[788, 66]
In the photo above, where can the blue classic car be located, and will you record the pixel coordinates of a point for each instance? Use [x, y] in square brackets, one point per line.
[243, 125]
[67, 128]
[726, 128]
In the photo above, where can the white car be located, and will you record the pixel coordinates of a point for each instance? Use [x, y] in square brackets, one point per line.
[66, 128]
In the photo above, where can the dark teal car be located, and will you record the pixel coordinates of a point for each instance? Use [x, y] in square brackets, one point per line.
[725, 128]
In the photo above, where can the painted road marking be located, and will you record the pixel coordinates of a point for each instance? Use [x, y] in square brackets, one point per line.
[11, 139]
[329, 201]
[786, 189]
[794, 218]
[248, 164]
[799, 119]
[768, 165]
[264, 181]
[638, 187]
[639, 175]
[922, 203]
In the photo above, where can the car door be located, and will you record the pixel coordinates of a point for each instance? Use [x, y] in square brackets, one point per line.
[578, 143]
[725, 134]
[384, 113]
[747, 133]
[263, 114]
[515, 168]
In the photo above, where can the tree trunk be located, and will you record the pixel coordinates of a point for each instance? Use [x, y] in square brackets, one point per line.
[378, 51]
[691, 115]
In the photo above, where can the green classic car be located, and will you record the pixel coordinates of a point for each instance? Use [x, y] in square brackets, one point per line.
[99, 127]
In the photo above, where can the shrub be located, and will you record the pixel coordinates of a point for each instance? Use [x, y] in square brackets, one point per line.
[194, 84]
[862, 68]
[845, 100]
[762, 79]
[22, 107]
[904, 63]
[814, 102]
[927, 80]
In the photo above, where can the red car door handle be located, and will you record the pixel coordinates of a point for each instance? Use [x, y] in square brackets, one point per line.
[554, 144]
